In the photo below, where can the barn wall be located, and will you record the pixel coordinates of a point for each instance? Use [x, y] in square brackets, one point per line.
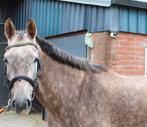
[5, 12]
[132, 20]
[21, 12]
[56, 17]
[3, 88]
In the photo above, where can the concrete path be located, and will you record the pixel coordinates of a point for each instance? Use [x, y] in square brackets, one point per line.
[11, 119]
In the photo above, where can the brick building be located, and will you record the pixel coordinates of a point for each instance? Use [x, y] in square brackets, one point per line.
[125, 53]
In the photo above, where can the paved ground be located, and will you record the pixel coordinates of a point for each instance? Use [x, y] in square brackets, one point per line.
[10, 119]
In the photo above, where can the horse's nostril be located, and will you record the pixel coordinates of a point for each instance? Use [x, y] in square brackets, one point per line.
[28, 103]
[13, 104]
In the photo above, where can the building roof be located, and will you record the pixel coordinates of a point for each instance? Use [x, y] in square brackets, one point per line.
[105, 3]
[108, 3]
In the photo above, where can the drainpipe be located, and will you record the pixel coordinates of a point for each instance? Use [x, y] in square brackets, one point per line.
[145, 61]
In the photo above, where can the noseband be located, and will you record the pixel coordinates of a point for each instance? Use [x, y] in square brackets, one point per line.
[22, 77]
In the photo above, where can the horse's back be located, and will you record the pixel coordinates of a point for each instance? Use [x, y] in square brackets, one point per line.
[125, 99]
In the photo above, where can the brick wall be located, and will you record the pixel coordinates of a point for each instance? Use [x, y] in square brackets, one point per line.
[125, 54]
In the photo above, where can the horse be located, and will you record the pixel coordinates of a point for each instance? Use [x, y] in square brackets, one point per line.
[75, 92]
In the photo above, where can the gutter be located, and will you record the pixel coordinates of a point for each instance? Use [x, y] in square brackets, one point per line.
[130, 3]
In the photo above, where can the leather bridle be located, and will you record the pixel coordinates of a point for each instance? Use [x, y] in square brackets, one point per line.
[32, 82]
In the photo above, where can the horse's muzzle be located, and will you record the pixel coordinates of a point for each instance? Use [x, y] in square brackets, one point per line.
[20, 106]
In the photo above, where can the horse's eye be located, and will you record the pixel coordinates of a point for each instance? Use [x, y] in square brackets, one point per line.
[36, 60]
[5, 60]
[38, 63]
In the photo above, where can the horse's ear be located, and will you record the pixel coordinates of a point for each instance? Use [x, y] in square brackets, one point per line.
[9, 29]
[31, 29]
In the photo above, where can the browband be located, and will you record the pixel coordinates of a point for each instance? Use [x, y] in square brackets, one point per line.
[21, 44]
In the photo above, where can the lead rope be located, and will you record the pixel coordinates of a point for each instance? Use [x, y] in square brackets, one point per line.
[7, 107]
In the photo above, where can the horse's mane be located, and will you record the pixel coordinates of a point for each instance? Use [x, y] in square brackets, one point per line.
[66, 58]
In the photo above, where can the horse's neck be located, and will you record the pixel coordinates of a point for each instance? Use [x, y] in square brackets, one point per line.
[57, 81]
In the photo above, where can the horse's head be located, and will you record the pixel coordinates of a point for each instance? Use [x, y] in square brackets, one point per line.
[22, 61]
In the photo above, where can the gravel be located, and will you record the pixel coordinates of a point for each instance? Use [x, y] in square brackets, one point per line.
[11, 119]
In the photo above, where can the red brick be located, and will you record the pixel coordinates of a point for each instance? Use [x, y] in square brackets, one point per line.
[124, 34]
[124, 43]
[128, 67]
[120, 52]
[130, 39]
[137, 73]
[126, 48]
[140, 68]
[131, 72]
[139, 49]
[139, 39]
[121, 38]
[137, 62]
[140, 58]
[126, 57]
[125, 62]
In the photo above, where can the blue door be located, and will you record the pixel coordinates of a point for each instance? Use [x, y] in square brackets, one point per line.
[73, 44]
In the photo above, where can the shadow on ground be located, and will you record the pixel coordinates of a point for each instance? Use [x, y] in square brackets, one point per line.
[11, 119]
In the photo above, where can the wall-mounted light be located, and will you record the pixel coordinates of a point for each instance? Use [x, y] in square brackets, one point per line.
[113, 34]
